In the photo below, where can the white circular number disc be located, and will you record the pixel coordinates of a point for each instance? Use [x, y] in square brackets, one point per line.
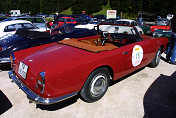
[137, 55]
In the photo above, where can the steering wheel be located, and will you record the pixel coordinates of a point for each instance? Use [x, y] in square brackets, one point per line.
[106, 37]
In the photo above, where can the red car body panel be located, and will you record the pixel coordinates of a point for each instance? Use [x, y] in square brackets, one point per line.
[153, 28]
[67, 68]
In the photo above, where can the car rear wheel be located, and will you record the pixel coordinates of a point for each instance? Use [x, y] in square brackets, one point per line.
[96, 85]
[156, 60]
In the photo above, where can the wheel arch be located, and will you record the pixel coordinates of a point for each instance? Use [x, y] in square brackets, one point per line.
[109, 68]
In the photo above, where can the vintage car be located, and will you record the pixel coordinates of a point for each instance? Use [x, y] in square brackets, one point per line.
[90, 25]
[37, 21]
[129, 22]
[9, 28]
[25, 39]
[68, 20]
[54, 72]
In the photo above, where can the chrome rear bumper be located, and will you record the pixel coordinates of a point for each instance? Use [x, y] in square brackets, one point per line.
[33, 97]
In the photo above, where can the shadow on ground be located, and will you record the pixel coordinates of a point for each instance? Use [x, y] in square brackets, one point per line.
[5, 67]
[59, 105]
[5, 104]
[160, 98]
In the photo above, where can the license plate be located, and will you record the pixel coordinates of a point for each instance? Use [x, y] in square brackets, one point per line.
[23, 70]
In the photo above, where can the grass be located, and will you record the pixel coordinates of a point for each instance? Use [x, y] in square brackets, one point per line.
[67, 12]
[104, 9]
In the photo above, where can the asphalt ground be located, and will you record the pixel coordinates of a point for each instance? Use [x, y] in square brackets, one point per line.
[124, 98]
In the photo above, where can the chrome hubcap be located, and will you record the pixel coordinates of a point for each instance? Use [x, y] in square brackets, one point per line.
[98, 85]
[158, 57]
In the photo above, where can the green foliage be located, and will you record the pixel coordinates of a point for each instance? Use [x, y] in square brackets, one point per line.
[90, 6]
[104, 10]
[130, 7]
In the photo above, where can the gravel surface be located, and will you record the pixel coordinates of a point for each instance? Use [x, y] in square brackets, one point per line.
[124, 98]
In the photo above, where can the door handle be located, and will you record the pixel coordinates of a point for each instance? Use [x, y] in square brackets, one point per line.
[125, 53]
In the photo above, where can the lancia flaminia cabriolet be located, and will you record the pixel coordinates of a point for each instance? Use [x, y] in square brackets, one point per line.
[54, 72]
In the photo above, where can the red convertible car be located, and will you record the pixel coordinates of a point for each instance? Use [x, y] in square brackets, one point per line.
[54, 72]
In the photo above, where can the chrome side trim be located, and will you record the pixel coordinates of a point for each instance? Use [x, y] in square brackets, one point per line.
[4, 60]
[33, 97]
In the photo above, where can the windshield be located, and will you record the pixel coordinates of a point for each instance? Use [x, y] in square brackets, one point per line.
[28, 26]
[123, 22]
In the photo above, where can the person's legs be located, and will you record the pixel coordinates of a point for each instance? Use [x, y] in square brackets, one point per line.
[170, 47]
[173, 56]
[168, 53]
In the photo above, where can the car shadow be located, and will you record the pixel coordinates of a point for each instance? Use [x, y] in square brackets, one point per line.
[5, 104]
[125, 77]
[5, 67]
[59, 105]
[159, 100]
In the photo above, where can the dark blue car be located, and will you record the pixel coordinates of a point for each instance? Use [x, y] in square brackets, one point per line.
[26, 39]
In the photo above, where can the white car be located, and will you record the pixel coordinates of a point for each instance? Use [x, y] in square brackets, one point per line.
[9, 28]
[130, 22]
[116, 29]
[90, 25]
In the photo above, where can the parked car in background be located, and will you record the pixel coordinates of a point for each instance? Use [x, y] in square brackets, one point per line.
[110, 20]
[9, 28]
[90, 25]
[162, 33]
[42, 15]
[82, 18]
[26, 39]
[3, 15]
[162, 21]
[100, 17]
[2, 18]
[38, 21]
[129, 22]
[68, 20]
[51, 73]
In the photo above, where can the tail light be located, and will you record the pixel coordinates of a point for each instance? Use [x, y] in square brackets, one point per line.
[0, 48]
[12, 60]
[41, 81]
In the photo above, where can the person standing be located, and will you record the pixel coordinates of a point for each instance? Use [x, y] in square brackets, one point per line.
[140, 20]
[56, 18]
[171, 51]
